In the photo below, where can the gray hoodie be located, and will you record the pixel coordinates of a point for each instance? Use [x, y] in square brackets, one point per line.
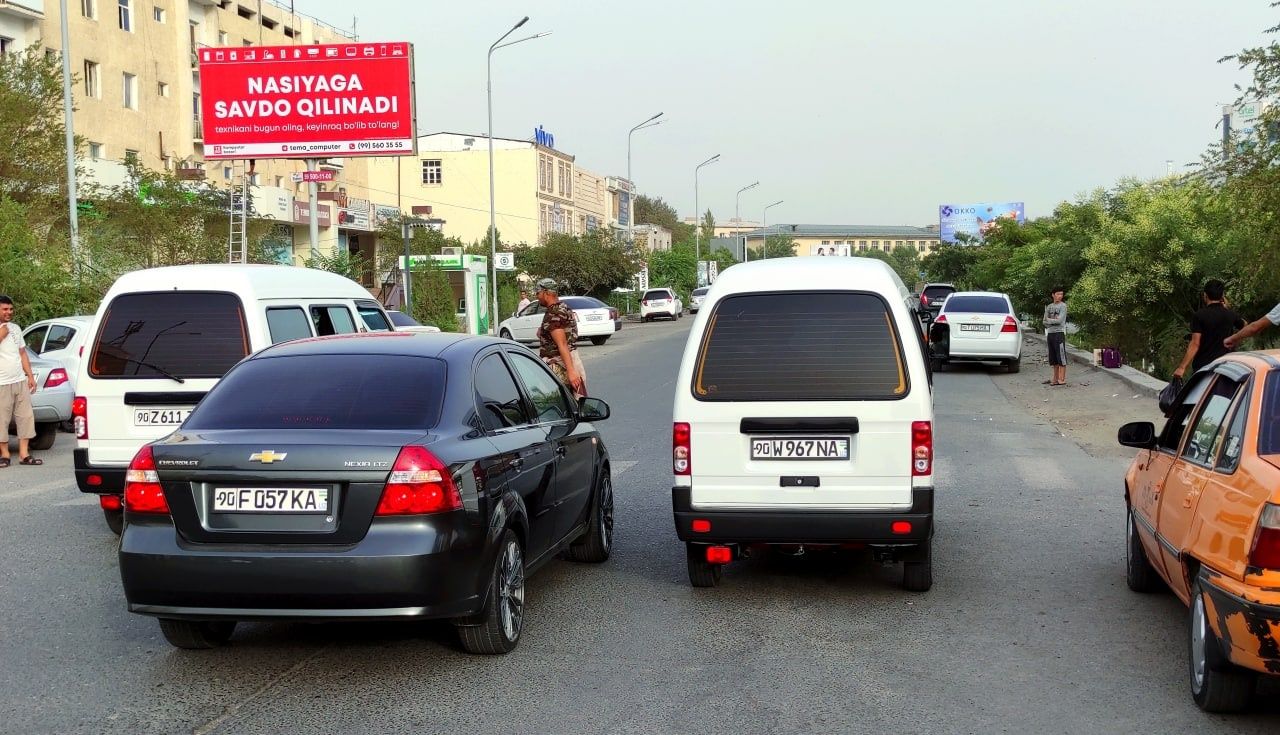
[1055, 318]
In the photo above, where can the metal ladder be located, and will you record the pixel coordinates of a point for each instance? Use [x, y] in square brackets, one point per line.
[238, 226]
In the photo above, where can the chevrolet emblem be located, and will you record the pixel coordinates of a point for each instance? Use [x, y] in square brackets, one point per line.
[268, 456]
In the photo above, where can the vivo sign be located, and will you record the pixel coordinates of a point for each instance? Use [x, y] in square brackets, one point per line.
[543, 138]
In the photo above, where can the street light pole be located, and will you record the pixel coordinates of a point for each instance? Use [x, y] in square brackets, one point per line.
[73, 217]
[493, 212]
[697, 217]
[736, 199]
[764, 227]
[631, 217]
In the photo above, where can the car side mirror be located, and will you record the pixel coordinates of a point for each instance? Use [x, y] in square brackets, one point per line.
[1139, 435]
[928, 316]
[592, 409]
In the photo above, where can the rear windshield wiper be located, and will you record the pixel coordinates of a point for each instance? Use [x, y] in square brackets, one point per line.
[156, 368]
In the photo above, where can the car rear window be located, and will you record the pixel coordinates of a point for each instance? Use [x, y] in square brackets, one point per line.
[936, 291]
[583, 302]
[700, 291]
[651, 295]
[183, 333]
[977, 305]
[401, 319]
[806, 346]
[395, 392]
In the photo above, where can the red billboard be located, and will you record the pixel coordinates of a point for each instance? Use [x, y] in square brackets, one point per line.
[307, 101]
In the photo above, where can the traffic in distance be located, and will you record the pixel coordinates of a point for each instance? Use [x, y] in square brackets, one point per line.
[416, 475]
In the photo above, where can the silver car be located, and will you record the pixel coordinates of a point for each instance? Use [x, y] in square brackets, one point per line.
[696, 298]
[51, 402]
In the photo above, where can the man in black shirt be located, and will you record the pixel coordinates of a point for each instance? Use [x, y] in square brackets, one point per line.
[1212, 324]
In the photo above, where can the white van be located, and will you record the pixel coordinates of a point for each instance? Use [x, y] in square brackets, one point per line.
[804, 417]
[163, 337]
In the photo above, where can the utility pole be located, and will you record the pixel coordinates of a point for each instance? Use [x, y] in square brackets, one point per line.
[73, 206]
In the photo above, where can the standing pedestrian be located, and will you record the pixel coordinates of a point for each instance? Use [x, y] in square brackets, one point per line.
[1055, 329]
[1211, 326]
[558, 337]
[524, 301]
[1272, 319]
[15, 390]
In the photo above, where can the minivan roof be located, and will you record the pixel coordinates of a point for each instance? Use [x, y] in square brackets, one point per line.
[810, 274]
[262, 281]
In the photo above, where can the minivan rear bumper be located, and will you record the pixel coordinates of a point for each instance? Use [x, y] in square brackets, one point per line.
[111, 478]
[805, 526]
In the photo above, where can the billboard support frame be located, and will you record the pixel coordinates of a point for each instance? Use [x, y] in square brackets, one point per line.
[313, 215]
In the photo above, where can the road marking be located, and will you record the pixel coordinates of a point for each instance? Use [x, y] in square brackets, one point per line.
[37, 489]
[272, 683]
[620, 466]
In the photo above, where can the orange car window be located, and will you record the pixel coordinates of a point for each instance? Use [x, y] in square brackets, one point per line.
[1201, 445]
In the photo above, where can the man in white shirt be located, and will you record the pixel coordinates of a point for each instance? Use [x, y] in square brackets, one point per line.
[524, 301]
[15, 389]
[1272, 319]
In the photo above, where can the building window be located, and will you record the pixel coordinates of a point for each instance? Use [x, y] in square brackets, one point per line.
[130, 156]
[898, 244]
[279, 182]
[162, 89]
[226, 172]
[244, 12]
[95, 150]
[269, 24]
[922, 248]
[432, 172]
[255, 179]
[130, 91]
[126, 19]
[92, 82]
[247, 42]
[223, 38]
[158, 14]
[5, 44]
[89, 9]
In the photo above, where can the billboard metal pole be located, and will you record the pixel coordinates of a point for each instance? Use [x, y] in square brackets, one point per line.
[314, 206]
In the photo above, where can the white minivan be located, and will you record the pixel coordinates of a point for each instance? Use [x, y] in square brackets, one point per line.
[163, 337]
[804, 417]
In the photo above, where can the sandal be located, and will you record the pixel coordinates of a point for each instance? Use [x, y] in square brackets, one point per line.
[31, 461]
[4, 462]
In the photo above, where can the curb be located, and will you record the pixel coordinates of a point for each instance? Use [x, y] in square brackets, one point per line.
[1135, 378]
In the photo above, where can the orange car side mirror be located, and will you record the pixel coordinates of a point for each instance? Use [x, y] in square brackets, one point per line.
[1139, 435]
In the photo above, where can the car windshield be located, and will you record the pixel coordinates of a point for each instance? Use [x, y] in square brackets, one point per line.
[401, 319]
[977, 305]
[583, 302]
[326, 392]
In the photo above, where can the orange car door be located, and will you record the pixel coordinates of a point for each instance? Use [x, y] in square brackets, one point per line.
[1190, 474]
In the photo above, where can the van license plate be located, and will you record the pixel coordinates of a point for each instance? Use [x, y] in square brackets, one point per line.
[160, 416]
[818, 448]
[271, 500]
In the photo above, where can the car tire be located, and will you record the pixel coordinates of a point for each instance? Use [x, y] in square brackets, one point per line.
[701, 573]
[1217, 685]
[917, 575]
[1015, 365]
[597, 341]
[1138, 572]
[46, 434]
[115, 520]
[197, 635]
[502, 620]
[505, 334]
[596, 544]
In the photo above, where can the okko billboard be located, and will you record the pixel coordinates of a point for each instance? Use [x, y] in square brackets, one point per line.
[317, 101]
[975, 219]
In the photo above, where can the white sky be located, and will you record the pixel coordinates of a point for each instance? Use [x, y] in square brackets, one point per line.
[852, 111]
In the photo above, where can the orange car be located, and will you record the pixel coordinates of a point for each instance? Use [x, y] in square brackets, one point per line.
[1204, 518]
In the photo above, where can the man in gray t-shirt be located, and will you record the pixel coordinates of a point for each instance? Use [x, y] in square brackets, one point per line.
[1055, 328]
[1272, 319]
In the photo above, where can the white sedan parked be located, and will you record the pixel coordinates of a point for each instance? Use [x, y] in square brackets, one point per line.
[597, 320]
[981, 326]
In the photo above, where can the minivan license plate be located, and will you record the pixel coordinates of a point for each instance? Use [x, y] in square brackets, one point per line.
[817, 448]
[271, 500]
[160, 416]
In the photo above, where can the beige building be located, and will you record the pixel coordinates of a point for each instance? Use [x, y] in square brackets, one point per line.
[652, 237]
[848, 239]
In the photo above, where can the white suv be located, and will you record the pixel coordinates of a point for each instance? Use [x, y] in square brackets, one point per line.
[804, 417]
[660, 302]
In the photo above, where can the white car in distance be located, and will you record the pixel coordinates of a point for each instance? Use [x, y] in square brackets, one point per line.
[981, 327]
[61, 339]
[597, 321]
[696, 298]
[660, 302]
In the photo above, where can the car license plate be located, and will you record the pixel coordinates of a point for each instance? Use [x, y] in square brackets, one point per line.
[160, 416]
[975, 327]
[594, 317]
[821, 447]
[271, 500]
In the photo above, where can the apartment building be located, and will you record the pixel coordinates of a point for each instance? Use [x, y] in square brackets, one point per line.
[848, 239]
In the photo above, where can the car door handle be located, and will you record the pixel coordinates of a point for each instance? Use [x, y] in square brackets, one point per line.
[518, 463]
[561, 451]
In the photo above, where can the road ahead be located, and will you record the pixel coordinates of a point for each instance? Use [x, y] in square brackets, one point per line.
[1029, 627]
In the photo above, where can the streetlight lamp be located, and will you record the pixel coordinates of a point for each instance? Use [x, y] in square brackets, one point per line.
[631, 217]
[493, 213]
[764, 227]
[697, 216]
[738, 217]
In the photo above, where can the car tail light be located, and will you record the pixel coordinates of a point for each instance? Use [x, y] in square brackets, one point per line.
[644, 302]
[680, 450]
[700, 525]
[1010, 325]
[110, 502]
[924, 300]
[921, 448]
[56, 377]
[419, 483]
[80, 416]
[613, 314]
[719, 554]
[142, 490]
[900, 528]
[1266, 543]
[942, 319]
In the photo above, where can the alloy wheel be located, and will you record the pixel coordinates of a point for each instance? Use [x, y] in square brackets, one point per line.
[511, 590]
[606, 513]
[1198, 652]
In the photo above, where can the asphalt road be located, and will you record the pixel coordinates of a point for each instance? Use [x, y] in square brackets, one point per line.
[1029, 627]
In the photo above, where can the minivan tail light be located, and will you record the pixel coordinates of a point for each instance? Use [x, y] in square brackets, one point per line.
[921, 448]
[419, 483]
[1266, 542]
[142, 490]
[1010, 325]
[80, 416]
[681, 461]
[56, 377]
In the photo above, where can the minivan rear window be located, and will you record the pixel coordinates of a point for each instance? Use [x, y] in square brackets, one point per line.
[181, 334]
[977, 305]
[936, 291]
[800, 346]
[655, 295]
[393, 392]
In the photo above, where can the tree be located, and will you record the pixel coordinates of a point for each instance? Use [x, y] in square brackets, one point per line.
[902, 259]
[592, 263]
[708, 226]
[775, 246]
[36, 277]
[33, 170]
[654, 211]
[432, 297]
[675, 268]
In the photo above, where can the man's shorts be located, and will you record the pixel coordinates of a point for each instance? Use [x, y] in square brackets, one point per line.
[15, 406]
[1057, 349]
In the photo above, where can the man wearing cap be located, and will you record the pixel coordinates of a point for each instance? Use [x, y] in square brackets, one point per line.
[557, 338]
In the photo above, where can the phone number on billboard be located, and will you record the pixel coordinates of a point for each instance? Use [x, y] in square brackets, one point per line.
[379, 145]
